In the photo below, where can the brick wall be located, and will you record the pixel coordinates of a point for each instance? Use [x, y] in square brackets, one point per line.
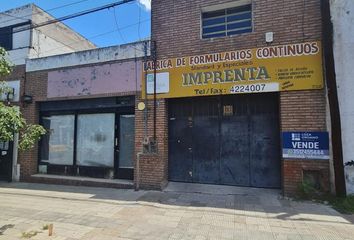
[36, 87]
[152, 168]
[176, 26]
[303, 111]
[176, 29]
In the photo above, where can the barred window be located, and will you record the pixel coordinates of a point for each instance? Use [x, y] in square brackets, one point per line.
[227, 22]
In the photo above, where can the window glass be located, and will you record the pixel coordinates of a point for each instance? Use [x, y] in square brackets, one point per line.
[213, 21]
[227, 22]
[214, 29]
[214, 14]
[21, 37]
[6, 38]
[58, 144]
[247, 7]
[243, 16]
[95, 140]
[126, 139]
[4, 145]
[239, 25]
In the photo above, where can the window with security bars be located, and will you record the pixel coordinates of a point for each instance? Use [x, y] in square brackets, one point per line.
[227, 22]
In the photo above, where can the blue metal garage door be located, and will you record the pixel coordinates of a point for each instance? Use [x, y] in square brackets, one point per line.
[231, 140]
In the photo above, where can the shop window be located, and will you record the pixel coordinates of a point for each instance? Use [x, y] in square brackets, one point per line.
[227, 21]
[57, 145]
[88, 138]
[95, 140]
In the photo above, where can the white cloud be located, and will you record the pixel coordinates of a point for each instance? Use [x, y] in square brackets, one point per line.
[146, 4]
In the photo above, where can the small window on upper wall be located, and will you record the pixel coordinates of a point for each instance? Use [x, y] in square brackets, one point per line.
[227, 21]
[6, 38]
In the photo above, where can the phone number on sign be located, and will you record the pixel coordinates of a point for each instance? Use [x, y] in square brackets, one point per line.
[262, 87]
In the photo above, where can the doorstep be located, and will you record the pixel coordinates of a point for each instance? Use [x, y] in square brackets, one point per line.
[81, 181]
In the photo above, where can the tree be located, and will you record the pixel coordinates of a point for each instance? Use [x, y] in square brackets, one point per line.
[11, 119]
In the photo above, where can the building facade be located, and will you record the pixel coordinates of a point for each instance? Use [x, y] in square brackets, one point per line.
[21, 37]
[86, 101]
[206, 52]
[232, 94]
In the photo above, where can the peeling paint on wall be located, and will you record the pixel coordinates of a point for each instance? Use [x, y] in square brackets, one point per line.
[102, 79]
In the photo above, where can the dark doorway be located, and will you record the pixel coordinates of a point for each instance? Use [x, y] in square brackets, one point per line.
[125, 145]
[6, 154]
[231, 140]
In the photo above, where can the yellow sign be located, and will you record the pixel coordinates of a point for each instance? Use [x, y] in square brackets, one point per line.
[265, 69]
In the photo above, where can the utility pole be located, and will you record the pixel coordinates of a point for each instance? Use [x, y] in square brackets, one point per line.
[330, 72]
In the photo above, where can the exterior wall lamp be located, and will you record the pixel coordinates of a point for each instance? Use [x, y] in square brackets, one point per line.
[27, 99]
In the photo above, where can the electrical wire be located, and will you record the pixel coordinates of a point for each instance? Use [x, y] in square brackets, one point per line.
[16, 17]
[48, 10]
[117, 26]
[93, 37]
[78, 14]
[139, 23]
[120, 32]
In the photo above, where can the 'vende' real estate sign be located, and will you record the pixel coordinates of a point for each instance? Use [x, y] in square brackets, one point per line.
[265, 69]
[306, 145]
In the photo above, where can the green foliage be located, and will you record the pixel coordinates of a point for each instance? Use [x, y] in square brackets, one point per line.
[343, 204]
[307, 190]
[29, 234]
[5, 66]
[45, 227]
[11, 119]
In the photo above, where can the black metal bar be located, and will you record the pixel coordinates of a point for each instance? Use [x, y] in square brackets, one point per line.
[146, 98]
[327, 35]
[75, 139]
[155, 101]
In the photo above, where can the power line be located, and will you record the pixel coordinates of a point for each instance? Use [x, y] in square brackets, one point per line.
[66, 5]
[99, 35]
[16, 17]
[112, 5]
[47, 10]
[117, 26]
[120, 32]
[139, 23]
[92, 37]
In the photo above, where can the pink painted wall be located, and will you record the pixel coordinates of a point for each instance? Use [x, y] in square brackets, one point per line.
[107, 78]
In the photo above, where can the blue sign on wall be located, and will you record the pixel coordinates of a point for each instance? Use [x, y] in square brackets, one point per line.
[306, 145]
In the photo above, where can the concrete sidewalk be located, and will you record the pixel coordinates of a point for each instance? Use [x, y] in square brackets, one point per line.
[181, 212]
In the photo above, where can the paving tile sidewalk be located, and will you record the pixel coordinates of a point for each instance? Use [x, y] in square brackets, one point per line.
[97, 213]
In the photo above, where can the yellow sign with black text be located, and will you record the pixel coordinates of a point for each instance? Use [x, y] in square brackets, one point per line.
[265, 69]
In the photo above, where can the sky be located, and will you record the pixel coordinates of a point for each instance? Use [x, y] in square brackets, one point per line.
[126, 23]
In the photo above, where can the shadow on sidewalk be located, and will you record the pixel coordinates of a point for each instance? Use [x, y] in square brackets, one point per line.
[265, 203]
